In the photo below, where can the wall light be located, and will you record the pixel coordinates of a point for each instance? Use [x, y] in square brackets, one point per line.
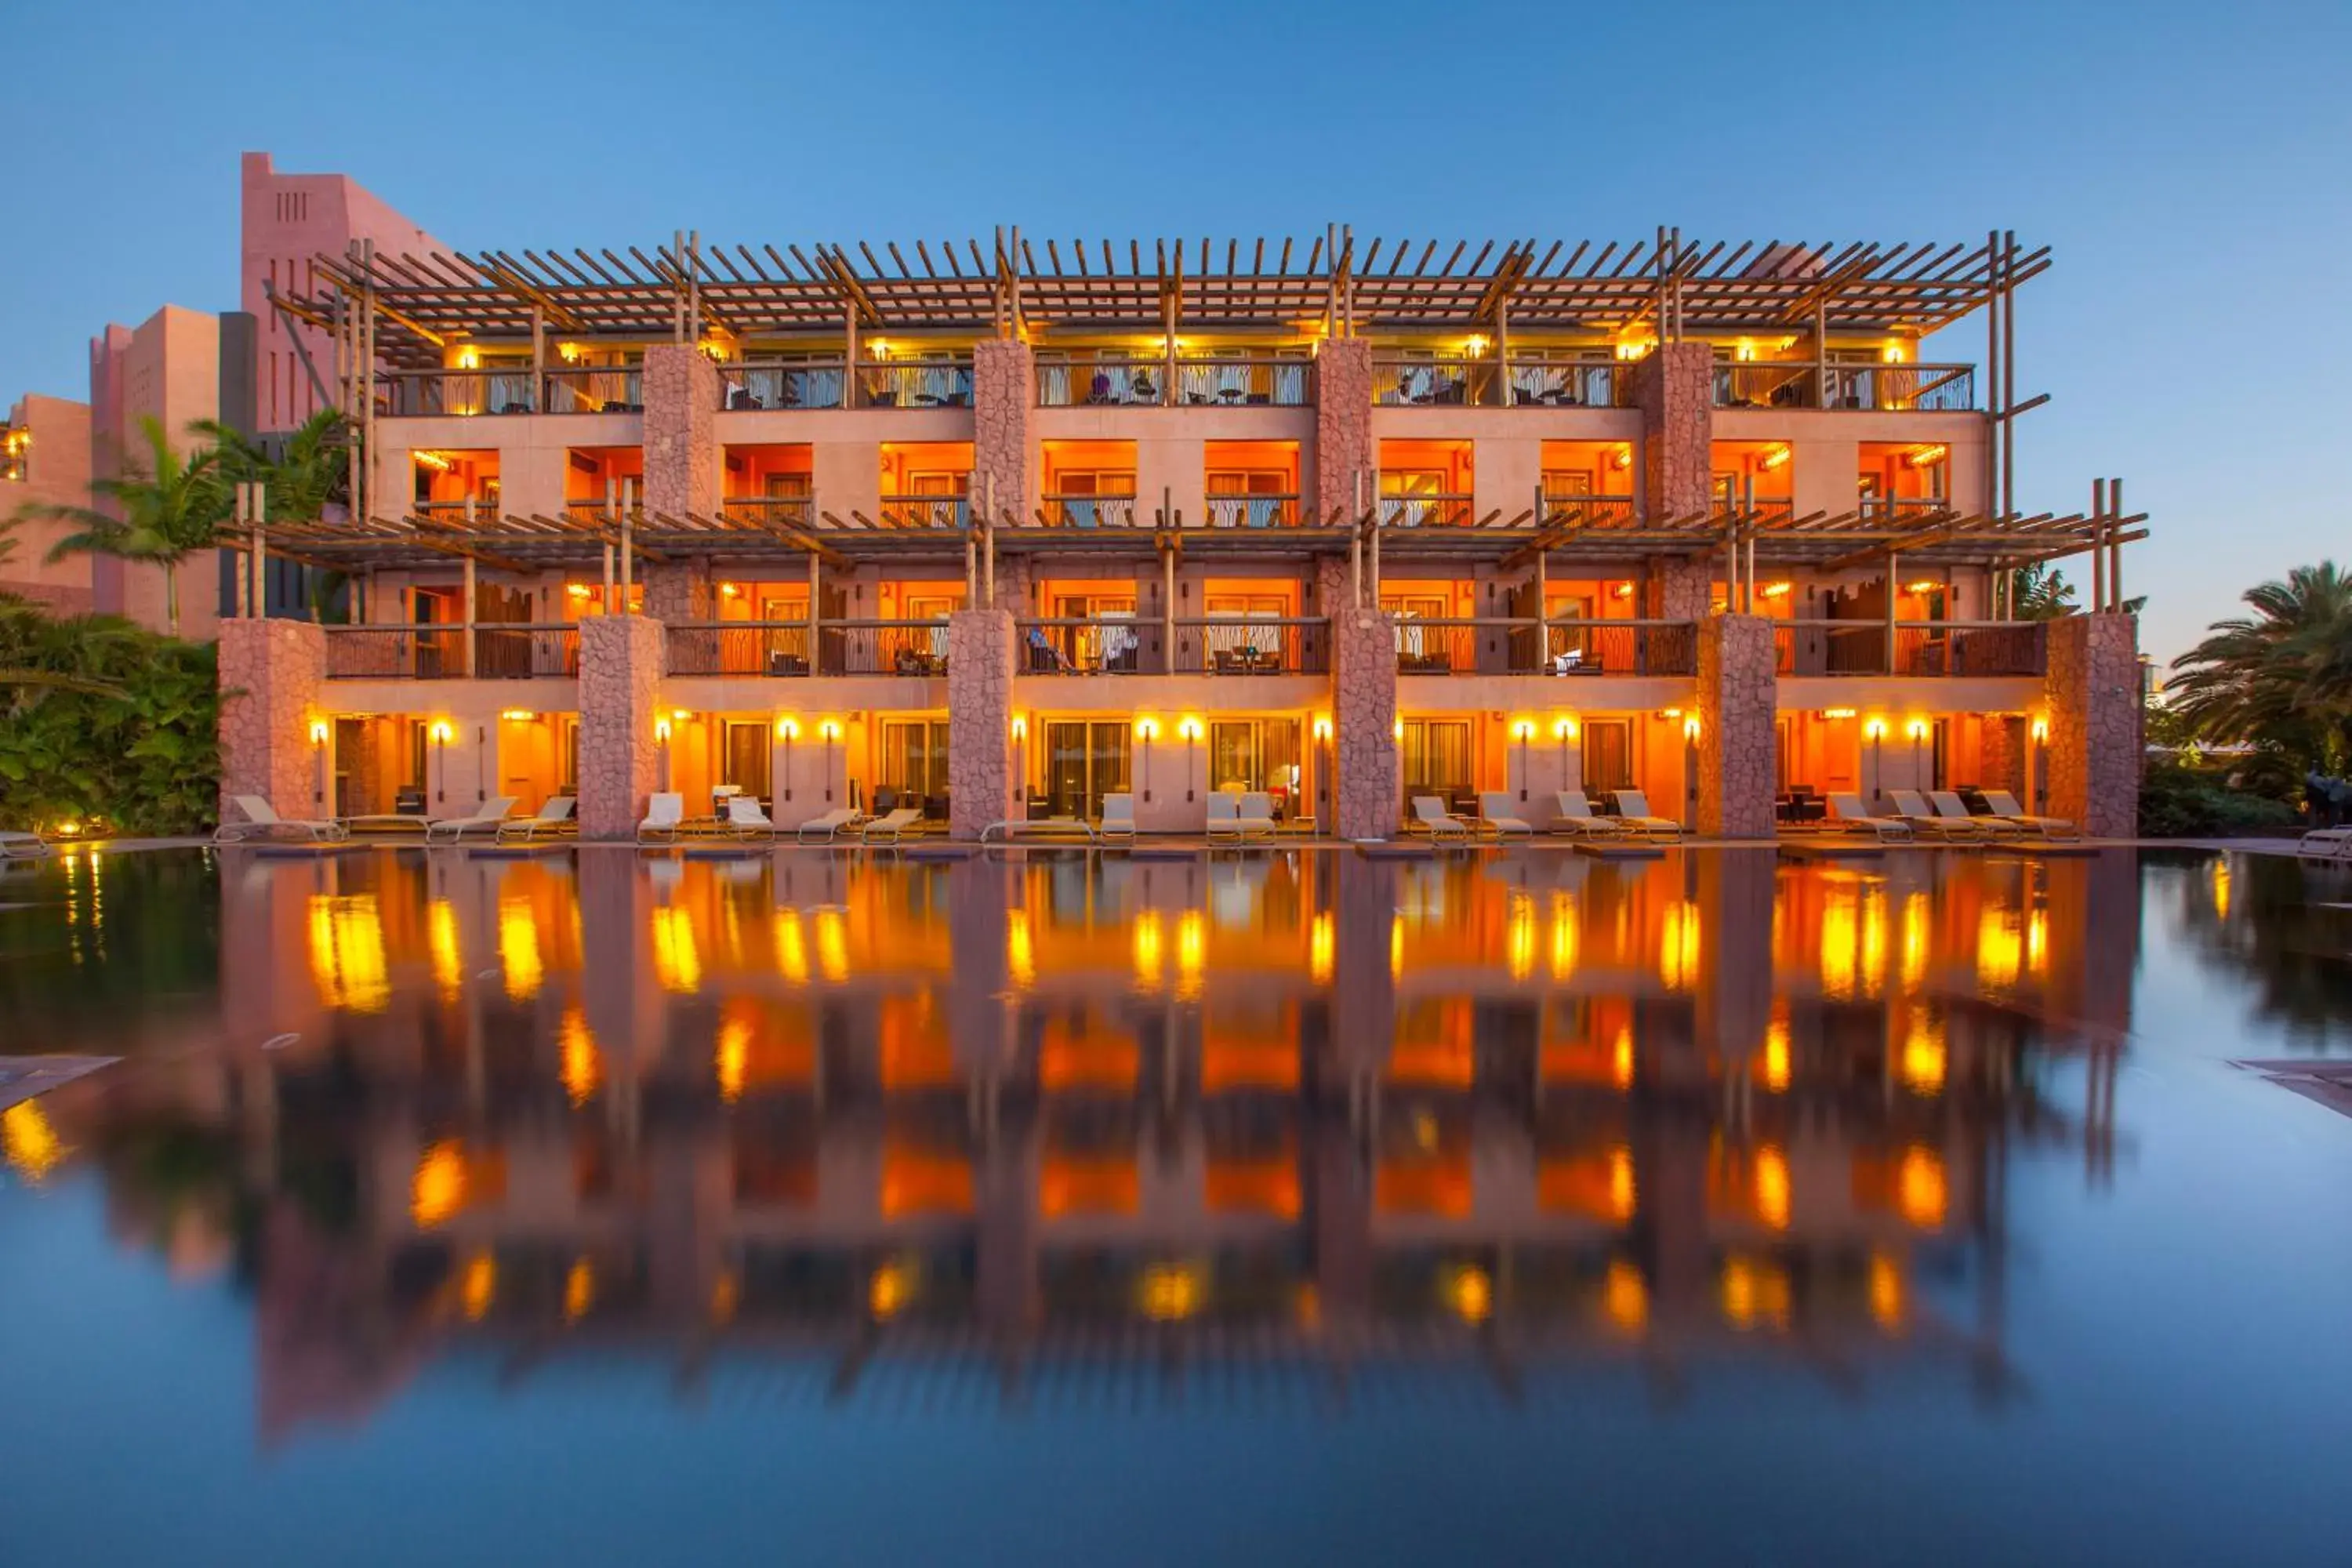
[1690, 730]
[681, 714]
[788, 728]
[1927, 456]
[1876, 729]
[1916, 729]
[1147, 729]
[1924, 585]
[1622, 458]
[1775, 458]
[1397, 729]
[1523, 729]
[469, 359]
[730, 590]
[1563, 728]
[1620, 591]
[1189, 729]
[442, 731]
[661, 730]
[577, 590]
[1776, 590]
[1836, 713]
[1020, 729]
[517, 715]
[1477, 345]
[829, 730]
[318, 731]
[1322, 727]
[1892, 354]
[2042, 729]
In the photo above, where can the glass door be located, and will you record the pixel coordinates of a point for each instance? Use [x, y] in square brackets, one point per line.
[1085, 761]
[1607, 757]
[745, 764]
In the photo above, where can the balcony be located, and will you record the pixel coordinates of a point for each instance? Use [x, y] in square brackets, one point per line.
[1232, 381]
[1229, 647]
[459, 394]
[780, 649]
[1523, 645]
[754, 387]
[1253, 512]
[1588, 511]
[770, 511]
[1570, 384]
[1100, 645]
[794, 384]
[914, 383]
[1881, 388]
[1917, 647]
[952, 512]
[1062, 510]
[1434, 511]
[499, 652]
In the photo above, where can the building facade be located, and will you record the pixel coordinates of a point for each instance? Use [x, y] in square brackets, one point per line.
[44, 461]
[1003, 532]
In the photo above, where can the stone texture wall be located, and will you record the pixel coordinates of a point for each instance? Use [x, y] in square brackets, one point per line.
[1681, 588]
[981, 783]
[679, 590]
[271, 675]
[620, 698]
[681, 430]
[1343, 424]
[1003, 402]
[1675, 390]
[2001, 760]
[2093, 692]
[1016, 579]
[1363, 722]
[1736, 697]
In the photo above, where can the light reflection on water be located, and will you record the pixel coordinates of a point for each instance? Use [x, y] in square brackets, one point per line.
[1295, 1136]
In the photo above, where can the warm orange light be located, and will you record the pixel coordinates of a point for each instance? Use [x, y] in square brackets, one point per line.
[318, 731]
[1625, 1298]
[1020, 729]
[1187, 728]
[478, 1287]
[1888, 1303]
[578, 1290]
[1470, 1293]
[27, 1142]
[788, 728]
[828, 731]
[1620, 591]
[1927, 456]
[661, 730]
[1772, 1186]
[1397, 729]
[1168, 1291]
[1147, 729]
[892, 1287]
[1875, 729]
[1563, 728]
[1916, 729]
[1920, 1189]
[1523, 729]
[518, 715]
[1775, 590]
[1774, 458]
[442, 730]
[1322, 727]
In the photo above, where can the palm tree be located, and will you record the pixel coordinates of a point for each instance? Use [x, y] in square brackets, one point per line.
[168, 514]
[2280, 679]
[2040, 593]
[311, 471]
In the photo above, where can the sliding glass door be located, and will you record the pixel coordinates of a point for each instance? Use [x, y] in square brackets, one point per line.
[1085, 761]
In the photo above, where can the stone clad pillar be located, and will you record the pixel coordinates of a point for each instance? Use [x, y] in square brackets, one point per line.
[1343, 427]
[271, 677]
[1365, 795]
[981, 781]
[1003, 400]
[1738, 713]
[620, 698]
[681, 431]
[2093, 689]
[1674, 389]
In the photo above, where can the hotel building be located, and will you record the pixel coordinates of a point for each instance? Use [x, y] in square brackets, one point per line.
[1006, 526]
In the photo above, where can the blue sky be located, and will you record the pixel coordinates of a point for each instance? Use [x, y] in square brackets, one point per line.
[2188, 164]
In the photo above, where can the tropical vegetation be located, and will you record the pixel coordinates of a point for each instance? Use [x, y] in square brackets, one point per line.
[2277, 682]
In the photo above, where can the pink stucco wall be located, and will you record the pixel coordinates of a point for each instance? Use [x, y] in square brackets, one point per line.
[166, 368]
[56, 474]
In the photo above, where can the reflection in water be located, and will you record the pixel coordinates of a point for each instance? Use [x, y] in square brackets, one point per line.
[1050, 1117]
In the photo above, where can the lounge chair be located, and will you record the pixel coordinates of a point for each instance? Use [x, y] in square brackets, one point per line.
[1256, 814]
[1494, 810]
[826, 828]
[2004, 807]
[1118, 817]
[1429, 812]
[22, 847]
[665, 813]
[1847, 813]
[746, 818]
[1005, 832]
[1929, 823]
[1951, 807]
[262, 822]
[552, 818]
[2331, 843]
[1634, 811]
[891, 826]
[1577, 820]
[490, 815]
[1224, 817]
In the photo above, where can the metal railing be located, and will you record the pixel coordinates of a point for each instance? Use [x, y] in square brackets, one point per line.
[1588, 511]
[1918, 648]
[1253, 512]
[1796, 383]
[1446, 511]
[1252, 646]
[1581, 647]
[782, 383]
[1092, 512]
[1103, 382]
[1439, 382]
[914, 649]
[443, 394]
[464, 508]
[915, 383]
[927, 511]
[1241, 381]
[1100, 645]
[1570, 384]
[500, 652]
[781, 648]
[768, 511]
[1524, 645]
[596, 389]
[1901, 508]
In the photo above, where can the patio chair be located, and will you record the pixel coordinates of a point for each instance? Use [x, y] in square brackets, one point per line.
[1634, 811]
[554, 817]
[2331, 843]
[2004, 807]
[1577, 820]
[665, 813]
[891, 828]
[489, 816]
[826, 828]
[1951, 807]
[262, 821]
[1494, 810]
[1429, 813]
[1118, 817]
[22, 847]
[1225, 817]
[746, 818]
[1254, 814]
[1848, 815]
[1926, 822]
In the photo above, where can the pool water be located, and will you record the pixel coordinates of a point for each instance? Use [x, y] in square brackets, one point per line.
[1512, 1207]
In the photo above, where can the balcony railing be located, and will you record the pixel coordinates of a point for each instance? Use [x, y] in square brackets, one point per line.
[614, 389]
[1076, 384]
[1433, 383]
[781, 648]
[1788, 384]
[1098, 645]
[1570, 384]
[1896, 511]
[927, 511]
[1254, 645]
[440, 393]
[1253, 512]
[1092, 512]
[1232, 381]
[788, 384]
[915, 383]
[1449, 511]
[1523, 645]
[1919, 648]
[1246, 383]
[500, 652]
[1588, 511]
[770, 511]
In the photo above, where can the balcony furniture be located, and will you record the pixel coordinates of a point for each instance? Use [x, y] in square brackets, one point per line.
[1437, 663]
[1255, 814]
[912, 661]
[553, 818]
[1633, 810]
[1577, 819]
[262, 821]
[2003, 805]
[1847, 813]
[665, 815]
[1495, 811]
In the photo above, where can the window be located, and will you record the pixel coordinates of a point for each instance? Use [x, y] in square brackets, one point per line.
[745, 761]
[915, 756]
[1435, 754]
[567, 753]
[1608, 755]
[1255, 755]
[1085, 761]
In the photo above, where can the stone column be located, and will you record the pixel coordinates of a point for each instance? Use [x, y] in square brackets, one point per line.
[2093, 689]
[2001, 762]
[679, 591]
[1737, 698]
[620, 698]
[1003, 399]
[271, 675]
[981, 781]
[1343, 427]
[681, 430]
[1674, 389]
[1366, 792]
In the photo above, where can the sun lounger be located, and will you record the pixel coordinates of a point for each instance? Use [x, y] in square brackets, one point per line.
[1442, 827]
[1951, 807]
[891, 828]
[1577, 820]
[1847, 813]
[1118, 817]
[1038, 828]
[1256, 814]
[2331, 843]
[489, 818]
[387, 822]
[1926, 821]
[22, 847]
[1495, 811]
[262, 821]
[665, 813]
[746, 819]
[1634, 811]
[2004, 807]
[826, 828]
[1224, 817]
[552, 817]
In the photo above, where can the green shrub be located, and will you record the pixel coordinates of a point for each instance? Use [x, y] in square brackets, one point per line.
[2178, 801]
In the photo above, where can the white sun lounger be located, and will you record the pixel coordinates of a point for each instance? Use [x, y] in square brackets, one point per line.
[262, 821]
[1117, 817]
[22, 847]
[1634, 811]
[890, 828]
[826, 828]
[1037, 827]
[664, 813]
[488, 817]
[552, 817]
[1444, 827]
[1925, 819]
[2005, 807]
[1494, 810]
[746, 819]
[1256, 814]
[1848, 813]
[1577, 820]
[1951, 807]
